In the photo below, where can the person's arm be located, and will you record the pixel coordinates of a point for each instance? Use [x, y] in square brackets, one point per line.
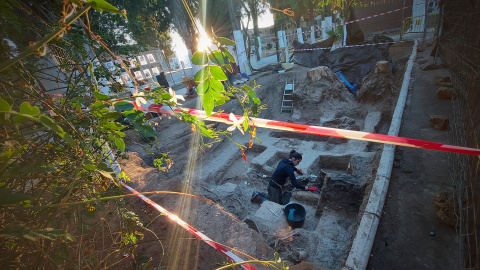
[298, 170]
[291, 175]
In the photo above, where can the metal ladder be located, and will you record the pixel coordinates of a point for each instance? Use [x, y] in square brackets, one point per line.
[287, 101]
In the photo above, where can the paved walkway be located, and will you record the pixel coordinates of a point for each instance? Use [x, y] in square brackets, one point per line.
[410, 235]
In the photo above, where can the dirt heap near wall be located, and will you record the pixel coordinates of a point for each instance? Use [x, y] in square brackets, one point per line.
[319, 99]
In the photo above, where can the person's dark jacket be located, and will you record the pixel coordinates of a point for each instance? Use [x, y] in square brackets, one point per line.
[234, 69]
[285, 169]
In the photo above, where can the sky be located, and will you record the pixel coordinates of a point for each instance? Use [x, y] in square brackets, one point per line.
[265, 20]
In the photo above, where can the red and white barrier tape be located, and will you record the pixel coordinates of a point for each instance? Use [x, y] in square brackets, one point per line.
[318, 130]
[348, 46]
[189, 228]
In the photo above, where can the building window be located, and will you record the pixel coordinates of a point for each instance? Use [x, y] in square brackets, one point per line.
[142, 60]
[150, 57]
[126, 78]
[118, 79]
[147, 73]
[133, 62]
[155, 70]
[138, 75]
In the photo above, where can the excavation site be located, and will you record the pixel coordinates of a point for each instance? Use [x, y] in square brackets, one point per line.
[341, 169]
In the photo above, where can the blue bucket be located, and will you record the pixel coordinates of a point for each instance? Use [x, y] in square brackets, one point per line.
[295, 214]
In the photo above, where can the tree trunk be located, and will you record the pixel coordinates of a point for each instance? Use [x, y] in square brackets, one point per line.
[275, 29]
[234, 18]
[256, 31]
[184, 25]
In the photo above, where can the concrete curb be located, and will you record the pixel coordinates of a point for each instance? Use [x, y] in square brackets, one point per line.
[362, 243]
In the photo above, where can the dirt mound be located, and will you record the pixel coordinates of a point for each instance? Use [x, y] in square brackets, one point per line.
[320, 99]
[377, 87]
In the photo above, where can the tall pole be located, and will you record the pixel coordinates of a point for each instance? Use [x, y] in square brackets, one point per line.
[425, 21]
[275, 29]
[168, 66]
[403, 18]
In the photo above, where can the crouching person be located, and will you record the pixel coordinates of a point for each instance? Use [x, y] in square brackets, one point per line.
[285, 169]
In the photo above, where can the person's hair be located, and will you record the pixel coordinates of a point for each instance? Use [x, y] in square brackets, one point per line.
[295, 154]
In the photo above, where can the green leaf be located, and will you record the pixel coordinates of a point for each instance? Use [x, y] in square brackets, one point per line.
[228, 67]
[101, 96]
[202, 74]
[133, 115]
[90, 167]
[112, 116]
[203, 87]
[277, 257]
[255, 110]
[216, 85]
[21, 118]
[165, 96]
[229, 55]
[51, 234]
[200, 58]
[123, 106]
[218, 58]
[218, 73]
[69, 237]
[101, 5]
[227, 41]
[145, 131]
[26, 108]
[104, 167]
[220, 102]
[7, 197]
[4, 106]
[252, 94]
[106, 174]
[46, 121]
[69, 139]
[120, 143]
[114, 126]
[9, 100]
[208, 103]
[206, 132]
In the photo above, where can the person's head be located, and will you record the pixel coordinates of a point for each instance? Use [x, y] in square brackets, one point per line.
[295, 157]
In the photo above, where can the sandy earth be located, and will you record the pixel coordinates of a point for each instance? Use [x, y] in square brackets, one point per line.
[219, 174]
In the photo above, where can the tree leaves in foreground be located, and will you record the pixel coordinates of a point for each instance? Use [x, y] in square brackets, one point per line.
[56, 150]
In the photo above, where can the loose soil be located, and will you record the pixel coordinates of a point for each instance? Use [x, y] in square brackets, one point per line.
[342, 169]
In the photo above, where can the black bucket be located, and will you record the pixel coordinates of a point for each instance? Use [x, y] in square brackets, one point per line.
[295, 214]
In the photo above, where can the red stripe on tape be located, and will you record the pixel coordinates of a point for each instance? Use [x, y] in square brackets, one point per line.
[333, 132]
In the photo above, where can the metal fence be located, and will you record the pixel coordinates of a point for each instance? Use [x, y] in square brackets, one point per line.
[460, 52]
[416, 24]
